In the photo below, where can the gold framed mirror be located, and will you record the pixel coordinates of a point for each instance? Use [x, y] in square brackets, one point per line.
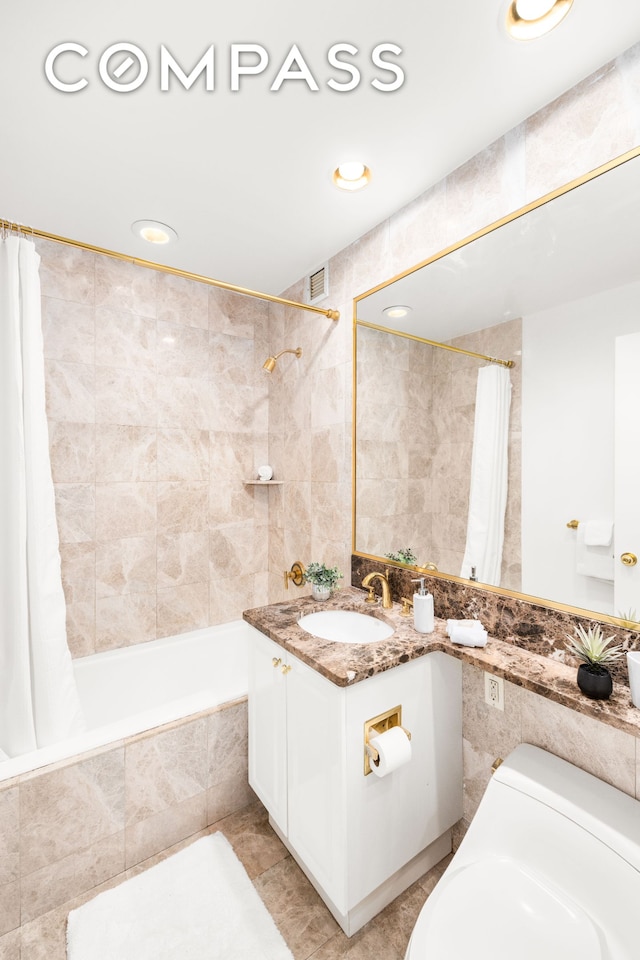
[554, 288]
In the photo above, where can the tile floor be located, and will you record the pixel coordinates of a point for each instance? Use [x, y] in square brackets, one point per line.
[305, 923]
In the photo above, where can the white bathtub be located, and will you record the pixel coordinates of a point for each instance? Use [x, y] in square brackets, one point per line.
[127, 691]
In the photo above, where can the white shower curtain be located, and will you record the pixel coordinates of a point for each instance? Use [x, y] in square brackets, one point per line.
[489, 463]
[38, 698]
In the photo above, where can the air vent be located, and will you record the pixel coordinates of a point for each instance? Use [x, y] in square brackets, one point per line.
[318, 284]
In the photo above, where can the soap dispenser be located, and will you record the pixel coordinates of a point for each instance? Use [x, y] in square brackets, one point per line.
[422, 608]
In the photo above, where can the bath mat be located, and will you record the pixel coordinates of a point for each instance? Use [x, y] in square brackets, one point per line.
[198, 904]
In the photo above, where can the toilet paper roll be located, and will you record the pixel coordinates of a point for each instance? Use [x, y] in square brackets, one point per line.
[394, 750]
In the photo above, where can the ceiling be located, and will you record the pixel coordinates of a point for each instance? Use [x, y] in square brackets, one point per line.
[244, 177]
[575, 246]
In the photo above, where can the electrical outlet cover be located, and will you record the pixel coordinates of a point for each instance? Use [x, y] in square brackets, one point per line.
[494, 691]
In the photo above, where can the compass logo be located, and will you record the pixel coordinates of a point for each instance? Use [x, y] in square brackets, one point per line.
[124, 67]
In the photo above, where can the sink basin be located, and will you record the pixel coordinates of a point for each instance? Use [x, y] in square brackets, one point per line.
[345, 626]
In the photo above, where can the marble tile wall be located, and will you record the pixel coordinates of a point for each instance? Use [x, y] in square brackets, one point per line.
[488, 733]
[157, 409]
[395, 440]
[70, 827]
[414, 449]
[309, 442]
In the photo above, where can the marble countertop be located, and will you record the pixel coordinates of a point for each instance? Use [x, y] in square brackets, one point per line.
[345, 664]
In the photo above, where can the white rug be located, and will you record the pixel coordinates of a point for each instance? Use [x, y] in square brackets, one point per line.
[198, 904]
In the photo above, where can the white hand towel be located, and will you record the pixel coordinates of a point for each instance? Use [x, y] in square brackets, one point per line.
[465, 624]
[468, 637]
[593, 561]
[469, 633]
[598, 533]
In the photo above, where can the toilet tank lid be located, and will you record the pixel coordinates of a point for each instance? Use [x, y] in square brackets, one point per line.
[604, 811]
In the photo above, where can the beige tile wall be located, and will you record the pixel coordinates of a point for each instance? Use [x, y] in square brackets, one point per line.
[489, 733]
[395, 442]
[157, 407]
[309, 443]
[68, 828]
[416, 411]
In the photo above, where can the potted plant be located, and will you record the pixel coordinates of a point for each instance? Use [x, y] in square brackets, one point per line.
[406, 556]
[591, 647]
[323, 579]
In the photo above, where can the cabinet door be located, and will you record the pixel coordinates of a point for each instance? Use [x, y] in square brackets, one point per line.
[268, 726]
[317, 827]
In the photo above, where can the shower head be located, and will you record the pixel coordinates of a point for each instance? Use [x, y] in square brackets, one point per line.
[270, 362]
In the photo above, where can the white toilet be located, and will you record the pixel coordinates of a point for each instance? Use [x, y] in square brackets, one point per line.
[548, 870]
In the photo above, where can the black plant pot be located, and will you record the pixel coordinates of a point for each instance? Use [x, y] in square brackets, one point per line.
[595, 681]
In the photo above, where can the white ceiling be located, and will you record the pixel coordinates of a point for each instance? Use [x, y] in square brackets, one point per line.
[245, 177]
[577, 245]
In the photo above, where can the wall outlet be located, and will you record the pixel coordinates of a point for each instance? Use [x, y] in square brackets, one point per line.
[494, 691]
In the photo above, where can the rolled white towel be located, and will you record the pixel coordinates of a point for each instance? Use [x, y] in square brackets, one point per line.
[464, 624]
[468, 637]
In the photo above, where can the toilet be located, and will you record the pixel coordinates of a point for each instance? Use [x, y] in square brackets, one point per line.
[548, 870]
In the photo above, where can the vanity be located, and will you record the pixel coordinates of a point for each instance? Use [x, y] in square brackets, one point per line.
[360, 838]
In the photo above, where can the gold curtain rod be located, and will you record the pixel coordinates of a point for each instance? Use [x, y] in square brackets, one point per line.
[139, 262]
[434, 343]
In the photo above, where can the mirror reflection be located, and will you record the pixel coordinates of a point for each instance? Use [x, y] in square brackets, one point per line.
[480, 469]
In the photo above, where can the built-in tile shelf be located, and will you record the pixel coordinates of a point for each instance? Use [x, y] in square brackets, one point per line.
[262, 483]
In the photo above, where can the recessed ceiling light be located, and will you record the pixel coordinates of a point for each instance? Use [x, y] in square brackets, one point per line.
[530, 19]
[352, 175]
[397, 311]
[153, 231]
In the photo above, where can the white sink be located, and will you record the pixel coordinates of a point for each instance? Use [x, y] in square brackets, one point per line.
[345, 626]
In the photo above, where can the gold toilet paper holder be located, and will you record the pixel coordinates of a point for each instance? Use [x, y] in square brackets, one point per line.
[374, 727]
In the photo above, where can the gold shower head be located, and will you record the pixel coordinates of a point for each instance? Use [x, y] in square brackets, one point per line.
[270, 362]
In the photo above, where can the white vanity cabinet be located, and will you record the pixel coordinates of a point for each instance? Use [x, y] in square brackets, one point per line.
[295, 768]
[268, 723]
[360, 839]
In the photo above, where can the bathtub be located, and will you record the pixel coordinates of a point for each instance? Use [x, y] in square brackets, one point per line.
[133, 689]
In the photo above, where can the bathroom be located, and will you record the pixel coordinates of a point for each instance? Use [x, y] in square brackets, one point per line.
[159, 536]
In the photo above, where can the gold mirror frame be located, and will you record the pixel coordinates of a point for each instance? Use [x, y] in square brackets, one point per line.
[490, 228]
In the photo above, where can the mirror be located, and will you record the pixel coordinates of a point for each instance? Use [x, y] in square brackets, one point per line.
[556, 289]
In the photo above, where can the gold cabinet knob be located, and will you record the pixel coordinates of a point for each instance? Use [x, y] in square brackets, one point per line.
[276, 661]
[629, 559]
[286, 668]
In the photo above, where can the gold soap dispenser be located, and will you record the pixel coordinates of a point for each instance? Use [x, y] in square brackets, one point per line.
[422, 608]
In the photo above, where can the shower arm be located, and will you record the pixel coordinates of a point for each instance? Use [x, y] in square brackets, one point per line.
[297, 351]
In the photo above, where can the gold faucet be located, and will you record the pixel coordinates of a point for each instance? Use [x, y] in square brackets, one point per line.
[387, 603]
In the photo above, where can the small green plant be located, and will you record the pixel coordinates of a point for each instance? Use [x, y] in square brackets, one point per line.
[629, 619]
[322, 575]
[592, 648]
[403, 556]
